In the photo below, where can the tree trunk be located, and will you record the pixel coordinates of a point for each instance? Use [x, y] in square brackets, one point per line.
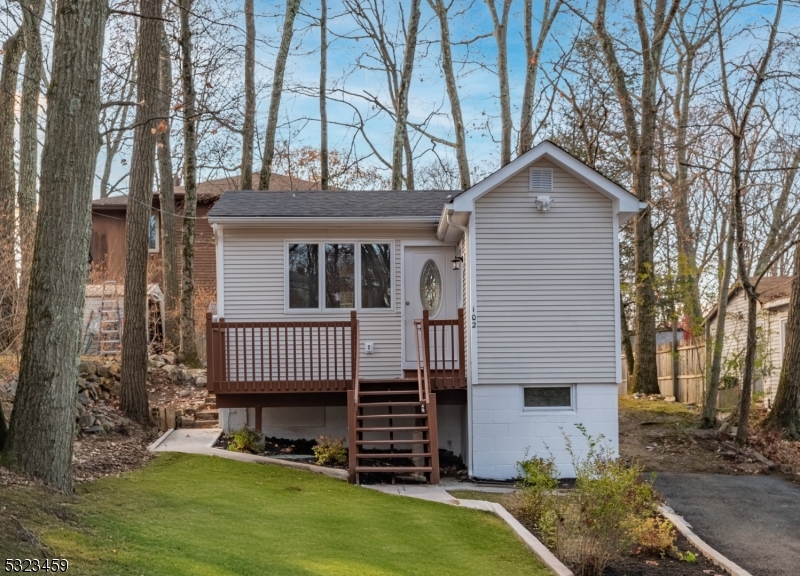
[188, 342]
[452, 93]
[323, 96]
[640, 135]
[786, 411]
[133, 398]
[40, 435]
[29, 144]
[687, 249]
[715, 347]
[3, 428]
[500, 23]
[249, 123]
[399, 142]
[169, 253]
[12, 55]
[626, 344]
[533, 54]
[292, 7]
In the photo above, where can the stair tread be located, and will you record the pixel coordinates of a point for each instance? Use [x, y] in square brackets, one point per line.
[387, 416]
[394, 469]
[390, 404]
[380, 455]
[393, 429]
[387, 442]
[385, 392]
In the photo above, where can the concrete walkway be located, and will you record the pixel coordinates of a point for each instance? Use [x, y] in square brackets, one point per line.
[753, 520]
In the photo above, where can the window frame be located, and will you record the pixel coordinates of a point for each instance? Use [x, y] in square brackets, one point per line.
[573, 399]
[784, 328]
[157, 249]
[321, 308]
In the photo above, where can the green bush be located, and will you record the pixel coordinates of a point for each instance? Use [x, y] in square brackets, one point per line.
[245, 440]
[330, 451]
[609, 511]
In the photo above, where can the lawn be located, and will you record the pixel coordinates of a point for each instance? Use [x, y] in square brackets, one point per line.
[201, 515]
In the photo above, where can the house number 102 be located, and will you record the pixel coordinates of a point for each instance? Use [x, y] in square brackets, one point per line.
[474, 318]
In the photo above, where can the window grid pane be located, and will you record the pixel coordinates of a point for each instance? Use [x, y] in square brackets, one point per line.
[340, 269]
[303, 276]
[153, 235]
[376, 276]
[548, 397]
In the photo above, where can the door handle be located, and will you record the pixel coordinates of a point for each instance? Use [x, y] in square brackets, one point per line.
[408, 303]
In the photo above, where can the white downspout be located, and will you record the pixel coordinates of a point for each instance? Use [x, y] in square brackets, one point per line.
[465, 230]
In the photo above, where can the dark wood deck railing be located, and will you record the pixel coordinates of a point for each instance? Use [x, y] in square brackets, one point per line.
[446, 347]
[264, 357]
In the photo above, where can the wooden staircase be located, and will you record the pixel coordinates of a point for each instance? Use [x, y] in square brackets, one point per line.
[392, 424]
[393, 431]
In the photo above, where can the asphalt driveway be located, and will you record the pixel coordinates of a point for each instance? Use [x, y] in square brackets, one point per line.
[753, 520]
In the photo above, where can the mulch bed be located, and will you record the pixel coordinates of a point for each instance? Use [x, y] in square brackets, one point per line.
[670, 565]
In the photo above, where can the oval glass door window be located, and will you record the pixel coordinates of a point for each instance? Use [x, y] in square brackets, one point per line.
[430, 287]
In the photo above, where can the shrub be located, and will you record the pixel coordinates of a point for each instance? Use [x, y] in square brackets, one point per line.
[245, 440]
[654, 535]
[330, 451]
[610, 509]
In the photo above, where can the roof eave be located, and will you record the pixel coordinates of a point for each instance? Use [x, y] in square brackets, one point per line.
[250, 220]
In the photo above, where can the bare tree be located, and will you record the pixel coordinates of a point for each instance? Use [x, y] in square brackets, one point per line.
[400, 138]
[738, 108]
[40, 436]
[169, 251]
[640, 130]
[441, 11]
[249, 124]
[188, 342]
[323, 96]
[133, 398]
[533, 52]
[500, 23]
[13, 48]
[292, 7]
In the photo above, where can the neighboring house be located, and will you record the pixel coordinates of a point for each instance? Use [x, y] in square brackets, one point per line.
[772, 312]
[485, 322]
[107, 252]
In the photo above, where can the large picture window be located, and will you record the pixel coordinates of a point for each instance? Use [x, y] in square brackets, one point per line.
[349, 275]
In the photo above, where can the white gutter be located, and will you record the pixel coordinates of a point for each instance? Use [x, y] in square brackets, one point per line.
[422, 220]
[447, 214]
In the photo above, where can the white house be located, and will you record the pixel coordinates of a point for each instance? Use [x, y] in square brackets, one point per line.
[772, 312]
[483, 321]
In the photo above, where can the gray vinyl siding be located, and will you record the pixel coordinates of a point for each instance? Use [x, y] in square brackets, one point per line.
[253, 283]
[545, 284]
[463, 249]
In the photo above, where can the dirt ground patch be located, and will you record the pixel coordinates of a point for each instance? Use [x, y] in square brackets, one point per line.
[665, 437]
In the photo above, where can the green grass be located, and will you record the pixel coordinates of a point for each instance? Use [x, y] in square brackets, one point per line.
[197, 515]
[629, 403]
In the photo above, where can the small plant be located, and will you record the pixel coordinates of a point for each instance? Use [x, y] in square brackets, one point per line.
[687, 556]
[245, 440]
[330, 451]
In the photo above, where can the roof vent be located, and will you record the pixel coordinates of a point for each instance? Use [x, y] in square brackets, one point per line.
[541, 180]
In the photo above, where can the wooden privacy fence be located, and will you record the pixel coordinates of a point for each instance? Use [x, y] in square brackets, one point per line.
[682, 373]
[257, 357]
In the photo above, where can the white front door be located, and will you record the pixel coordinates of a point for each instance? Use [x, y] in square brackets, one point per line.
[429, 282]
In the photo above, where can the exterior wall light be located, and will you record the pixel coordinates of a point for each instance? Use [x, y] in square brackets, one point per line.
[457, 262]
[543, 203]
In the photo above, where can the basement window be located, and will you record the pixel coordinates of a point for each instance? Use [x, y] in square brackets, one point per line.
[549, 397]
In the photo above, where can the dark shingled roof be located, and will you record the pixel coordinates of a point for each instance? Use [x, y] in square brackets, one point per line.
[333, 204]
